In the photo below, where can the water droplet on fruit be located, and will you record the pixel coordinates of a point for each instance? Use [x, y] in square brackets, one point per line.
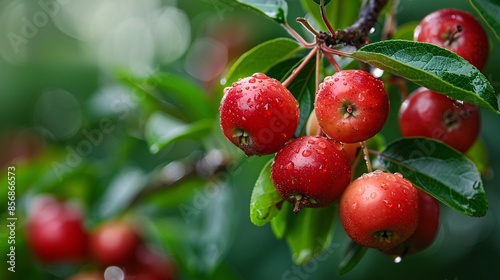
[306, 153]
[384, 186]
[254, 87]
[393, 193]
[354, 205]
[344, 83]
[387, 203]
[266, 106]
[247, 88]
[398, 259]
[239, 90]
[365, 176]
[320, 151]
[398, 174]
[311, 141]
[361, 190]
[243, 118]
[361, 97]
[252, 80]
[336, 80]
[322, 145]
[373, 195]
[390, 177]
[290, 166]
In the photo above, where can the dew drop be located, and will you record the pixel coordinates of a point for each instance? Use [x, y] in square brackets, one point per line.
[311, 141]
[252, 80]
[266, 106]
[387, 203]
[247, 88]
[239, 90]
[322, 145]
[373, 195]
[354, 205]
[361, 97]
[320, 151]
[361, 190]
[384, 186]
[398, 259]
[336, 80]
[398, 174]
[243, 118]
[306, 153]
[290, 166]
[390, 177]
[344, 83]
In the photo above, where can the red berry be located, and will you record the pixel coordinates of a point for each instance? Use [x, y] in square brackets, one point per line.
[311, 172]
[114, 243]
[379, 210]
[351, 106]
[150, 265]
[457, 31]
[433, 115]
[426, 231]
[55, 231]
[258, 114]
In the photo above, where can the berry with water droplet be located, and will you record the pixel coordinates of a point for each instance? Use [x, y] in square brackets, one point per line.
[433, 115]
[317, 178]
[258, 114]
[426, 231]
[346, 117]
[380, 220]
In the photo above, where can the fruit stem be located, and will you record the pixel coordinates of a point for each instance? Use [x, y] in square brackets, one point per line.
[296, 207]
[299, 68]
[325, 18]
[319, 132]
[332, 61]
[451, 37]
[366, 156]
[297, 36]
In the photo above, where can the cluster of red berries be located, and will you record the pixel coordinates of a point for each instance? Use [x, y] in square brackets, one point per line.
[56, 233]
[379, 210]
[430, 114]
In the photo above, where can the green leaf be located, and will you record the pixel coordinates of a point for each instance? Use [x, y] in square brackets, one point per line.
[340, 13]
[490, 13]
[200, 238]
[352, 255]
[439, 170]
[277, 10]
[265, 202]
[120, 192]
[433, 67]
[309, 232]
[162, 130]
[175, 91]
[278, 223]
[261, 58]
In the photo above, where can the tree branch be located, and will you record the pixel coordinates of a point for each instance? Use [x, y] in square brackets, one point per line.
[357, 33]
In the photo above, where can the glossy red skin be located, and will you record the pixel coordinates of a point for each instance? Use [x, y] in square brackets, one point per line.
[55, 231]
[424, 113]
[313, 167]
[426, 231]
[262, 107]
[378, 202]
[114, 243]
[471, 43]
[362, 91]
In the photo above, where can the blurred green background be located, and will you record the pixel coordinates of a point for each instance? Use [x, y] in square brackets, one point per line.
[58, 78]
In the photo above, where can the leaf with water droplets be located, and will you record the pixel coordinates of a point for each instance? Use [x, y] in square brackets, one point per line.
[433, 67]
[265, 202]
[439, 170]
